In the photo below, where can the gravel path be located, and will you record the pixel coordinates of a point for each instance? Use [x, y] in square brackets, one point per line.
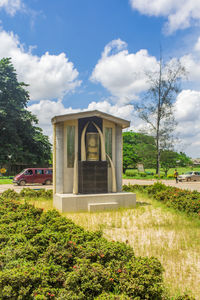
[194, 185]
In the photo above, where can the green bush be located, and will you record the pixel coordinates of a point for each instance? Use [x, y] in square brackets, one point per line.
[149, 173]
[41, 193]
[156, 176]
[171, 176]
[10, 194]
[131, 173]
[182, 200]
[143, 174]
[46, 256]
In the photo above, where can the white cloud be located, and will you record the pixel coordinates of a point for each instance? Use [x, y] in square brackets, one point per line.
[47, 109]
[187, 113]
[49, 76]
[180, 13]
[122, 73]
[197, 45]
[124, 112]
[11, 6]
[191, 62]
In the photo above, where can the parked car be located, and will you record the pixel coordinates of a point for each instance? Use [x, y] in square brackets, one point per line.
[34, 175]
[190, 176]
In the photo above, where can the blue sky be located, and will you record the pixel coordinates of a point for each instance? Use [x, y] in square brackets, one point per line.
[93, 54]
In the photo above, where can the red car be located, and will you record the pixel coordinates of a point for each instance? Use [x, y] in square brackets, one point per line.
[34, 175]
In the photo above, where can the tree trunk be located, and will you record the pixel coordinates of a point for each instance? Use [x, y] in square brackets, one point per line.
[158, 121]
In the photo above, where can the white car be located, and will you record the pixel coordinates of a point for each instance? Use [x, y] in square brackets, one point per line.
[190, 176]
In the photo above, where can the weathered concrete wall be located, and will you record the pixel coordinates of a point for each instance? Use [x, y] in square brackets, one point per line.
[75, 203]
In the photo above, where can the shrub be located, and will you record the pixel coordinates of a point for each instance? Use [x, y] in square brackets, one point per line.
[171, 176]
[131, 173]
[149, 173]
[10, 194]
[46, 256]
[156, 176]
[41, 193]
[143, 174]
[182, 200]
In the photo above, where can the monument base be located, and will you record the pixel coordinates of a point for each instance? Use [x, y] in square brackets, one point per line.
[93, 202]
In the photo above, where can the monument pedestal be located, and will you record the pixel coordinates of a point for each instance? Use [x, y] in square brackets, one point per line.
[93, 202]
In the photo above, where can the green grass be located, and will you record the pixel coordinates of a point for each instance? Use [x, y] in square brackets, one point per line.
[180, 170]
[151, 229]
[5, 181]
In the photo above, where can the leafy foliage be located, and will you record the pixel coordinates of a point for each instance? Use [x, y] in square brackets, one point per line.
[141, 148]
[157, 109]
[46, 256]
[182, 200]
[21, 140]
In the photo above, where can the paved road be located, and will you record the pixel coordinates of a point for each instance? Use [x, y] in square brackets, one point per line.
[183, 185]
[194, 185]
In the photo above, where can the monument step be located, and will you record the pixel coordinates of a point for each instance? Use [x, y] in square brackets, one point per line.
[93, 207]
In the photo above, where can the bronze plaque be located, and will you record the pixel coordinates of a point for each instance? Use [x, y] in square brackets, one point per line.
[92, 146]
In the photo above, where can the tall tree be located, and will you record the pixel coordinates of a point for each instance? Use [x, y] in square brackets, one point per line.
[138, 148]
[157, 109]
[21, 141]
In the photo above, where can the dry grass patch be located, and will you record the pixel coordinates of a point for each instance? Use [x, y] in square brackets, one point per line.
[152, 230]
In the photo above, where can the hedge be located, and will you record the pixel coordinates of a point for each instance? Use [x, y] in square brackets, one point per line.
[182, 200]
[46, 256]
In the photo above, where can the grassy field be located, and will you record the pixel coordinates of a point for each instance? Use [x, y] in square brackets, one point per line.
[180, 170]
[5, 181]
[152, 230]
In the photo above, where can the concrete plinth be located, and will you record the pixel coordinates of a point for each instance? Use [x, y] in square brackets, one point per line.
[93, 202]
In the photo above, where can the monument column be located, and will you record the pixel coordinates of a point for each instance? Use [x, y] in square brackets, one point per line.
[118, 157]
[59, 158]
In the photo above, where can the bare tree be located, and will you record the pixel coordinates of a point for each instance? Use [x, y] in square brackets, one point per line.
[158, 105]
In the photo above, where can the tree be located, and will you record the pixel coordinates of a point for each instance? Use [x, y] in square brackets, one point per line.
[157, 110]
[138, 148]
[168, 159]
[20, 139]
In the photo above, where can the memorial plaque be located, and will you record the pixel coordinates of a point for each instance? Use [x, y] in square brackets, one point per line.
[92, 177]
[92, 146]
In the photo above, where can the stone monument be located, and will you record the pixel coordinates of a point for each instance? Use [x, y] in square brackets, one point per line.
[87, 162]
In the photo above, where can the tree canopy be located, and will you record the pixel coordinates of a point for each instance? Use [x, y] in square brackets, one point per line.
[157, 109]
[141, 148]
[21, 140]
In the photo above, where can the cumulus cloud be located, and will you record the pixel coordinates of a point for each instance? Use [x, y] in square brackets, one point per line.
[11, 6]
[191, 63]
[181, 14]
[122, 73]
[48, 76]
[187, 113]
[47, 109]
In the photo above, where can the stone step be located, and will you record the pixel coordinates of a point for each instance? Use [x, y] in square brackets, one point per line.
[92, 207]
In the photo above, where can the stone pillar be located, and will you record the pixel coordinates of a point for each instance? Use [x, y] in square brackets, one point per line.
[59, 157]
[118, 157]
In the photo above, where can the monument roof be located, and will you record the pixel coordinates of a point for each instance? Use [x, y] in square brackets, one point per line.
[91, 113]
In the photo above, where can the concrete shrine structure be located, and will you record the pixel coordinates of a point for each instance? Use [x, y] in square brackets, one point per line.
[87, 162]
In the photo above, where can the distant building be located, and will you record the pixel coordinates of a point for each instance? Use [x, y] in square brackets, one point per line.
[196, 161]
